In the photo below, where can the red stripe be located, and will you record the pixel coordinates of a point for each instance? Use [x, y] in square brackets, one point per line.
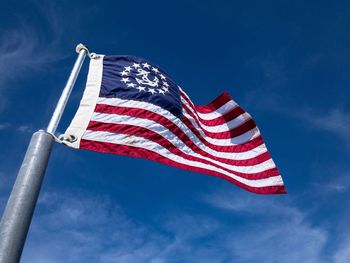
[152, 136]
[157, 138]
[235, 112]
[145, 114]
[146, 154]
[212, 106]
[241, 129]
[228, 116]
[246, 126]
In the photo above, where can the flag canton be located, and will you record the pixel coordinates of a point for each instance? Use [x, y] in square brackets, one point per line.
[134, 78]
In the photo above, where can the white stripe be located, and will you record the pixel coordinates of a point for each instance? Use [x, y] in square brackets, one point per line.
[238, 140]
[228, 155]
[221, 127]
[218, 112]
[135, 141]
[167, 134]
[252, 133]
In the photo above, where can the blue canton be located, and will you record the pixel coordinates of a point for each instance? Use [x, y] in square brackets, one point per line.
[134, 78]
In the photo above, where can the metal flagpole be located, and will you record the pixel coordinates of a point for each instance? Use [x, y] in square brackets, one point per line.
[18, 213]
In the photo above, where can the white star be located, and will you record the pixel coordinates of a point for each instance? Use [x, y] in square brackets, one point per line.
[140, 88]
[155, 70]
[152, 90]
[125, 80]
[131, 85]
[165, 89]
[124, 73]
[162, 77]
[127, 69]
[161, 91]
[165, 83]
[146, 65]
[135, 65]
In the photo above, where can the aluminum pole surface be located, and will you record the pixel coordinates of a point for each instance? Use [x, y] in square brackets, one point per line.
[61, 104]
[20, 207]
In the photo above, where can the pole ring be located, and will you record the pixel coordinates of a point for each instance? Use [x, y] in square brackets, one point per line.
[80, 47]
[94, 56]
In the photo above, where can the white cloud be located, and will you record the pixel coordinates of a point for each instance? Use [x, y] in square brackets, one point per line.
[193, 239]
[4, 126]
[25, 128]
[81, 228]
[25, 48]
[331, 187]
[342, 255]
[22, 52]
[274, 231]
[272, 68]
[336, 182]
[336, 120]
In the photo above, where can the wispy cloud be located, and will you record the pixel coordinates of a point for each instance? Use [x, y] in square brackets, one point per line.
[26, 128]
[193, 239]
[336, 120]
[270, 230]
[272, 72]
[336, 181]
[22, 52]
[25, 48]
[4, 126]
[331, 187]
[342, 255]
[271, 68]
[23, 128]
[79, 228]
[76, 227]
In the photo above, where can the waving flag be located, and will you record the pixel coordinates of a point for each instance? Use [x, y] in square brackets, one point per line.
[132, 107]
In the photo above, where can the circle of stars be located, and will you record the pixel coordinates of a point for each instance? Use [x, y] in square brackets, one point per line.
[162, 88]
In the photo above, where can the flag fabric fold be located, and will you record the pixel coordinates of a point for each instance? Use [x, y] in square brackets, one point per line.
[132, 107]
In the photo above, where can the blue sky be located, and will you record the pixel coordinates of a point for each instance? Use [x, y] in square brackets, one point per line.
[285, 62]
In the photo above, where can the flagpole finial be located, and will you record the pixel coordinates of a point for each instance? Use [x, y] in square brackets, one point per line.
[80, 47]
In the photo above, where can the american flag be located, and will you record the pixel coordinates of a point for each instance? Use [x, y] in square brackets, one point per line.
[132, 107]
